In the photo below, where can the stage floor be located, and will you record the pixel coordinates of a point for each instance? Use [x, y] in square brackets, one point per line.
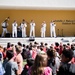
[27, 40]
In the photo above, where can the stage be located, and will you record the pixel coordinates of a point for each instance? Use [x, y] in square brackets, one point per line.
[27, 40]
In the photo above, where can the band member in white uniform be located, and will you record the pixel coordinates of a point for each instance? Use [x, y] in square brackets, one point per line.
[4, 27]
[23, 26]
[52, 29]
[43, 29]
[14, 28]
[32, 29]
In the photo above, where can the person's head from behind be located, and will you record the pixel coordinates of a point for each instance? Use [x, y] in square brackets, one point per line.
[51, 53]
[19, 44]
[51, 56]
[39, 63]
[72, 47]
[56, 44]
[67, 55]
[30, 61]
[41, 59]
[8, 45]
[42, 43]
[10, 54]
[18, 49]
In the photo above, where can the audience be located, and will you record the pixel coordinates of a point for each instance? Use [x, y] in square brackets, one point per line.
[37, 59]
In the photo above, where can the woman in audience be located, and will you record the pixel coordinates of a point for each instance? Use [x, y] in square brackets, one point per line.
[40, 65]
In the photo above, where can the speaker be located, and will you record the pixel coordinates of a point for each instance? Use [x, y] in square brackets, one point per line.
[7, 35]
[64, 40]
[0, 35]
[31, 39]
[19, 34]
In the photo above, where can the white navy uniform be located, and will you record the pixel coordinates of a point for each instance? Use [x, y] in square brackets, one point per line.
[23, 26]
[32, 29]
[43, 29]
[52, 29]
[14, 29]
[4, 27]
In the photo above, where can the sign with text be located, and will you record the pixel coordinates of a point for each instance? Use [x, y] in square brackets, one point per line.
[65, 21]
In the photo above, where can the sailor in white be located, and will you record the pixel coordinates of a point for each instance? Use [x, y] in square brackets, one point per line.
[32, 29]
[4, 27]
[14, 29]
[52, 29]
[43, 29]
[23, 26]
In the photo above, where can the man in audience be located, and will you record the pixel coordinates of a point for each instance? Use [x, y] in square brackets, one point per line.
[67, 68]
[19, 59]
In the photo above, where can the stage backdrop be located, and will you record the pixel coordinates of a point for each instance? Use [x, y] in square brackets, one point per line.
[64, 19]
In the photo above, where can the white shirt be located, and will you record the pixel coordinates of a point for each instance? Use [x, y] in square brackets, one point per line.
[23, 25]
[44, 27]
[52, 25]
[32, 25]
[14, 26]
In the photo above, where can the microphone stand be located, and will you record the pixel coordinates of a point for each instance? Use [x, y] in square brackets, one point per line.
[62, 32]
[58, 31]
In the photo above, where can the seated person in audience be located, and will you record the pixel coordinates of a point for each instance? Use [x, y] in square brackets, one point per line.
[40, 65]
[66, 67]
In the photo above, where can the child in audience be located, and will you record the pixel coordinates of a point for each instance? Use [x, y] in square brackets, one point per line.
[40, 65]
